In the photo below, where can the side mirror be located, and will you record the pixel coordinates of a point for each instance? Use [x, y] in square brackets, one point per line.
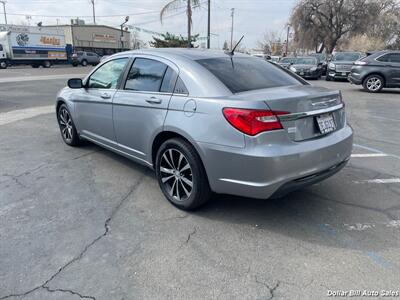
[75, 83]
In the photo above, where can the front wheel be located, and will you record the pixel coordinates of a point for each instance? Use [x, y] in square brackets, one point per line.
[3, 65]
[181, 174]
[84, 63]
[67, 126]
[373, 83]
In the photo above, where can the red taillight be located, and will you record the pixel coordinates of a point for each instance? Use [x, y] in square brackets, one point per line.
[251, 121]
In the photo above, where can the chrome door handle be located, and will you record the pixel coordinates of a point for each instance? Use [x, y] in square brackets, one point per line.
[153, 100]
[105, 95]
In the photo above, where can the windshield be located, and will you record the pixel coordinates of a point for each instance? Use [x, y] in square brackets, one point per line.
[240, 74]
[306, 61]
[287, 60]
[319, 56]
[346, 56]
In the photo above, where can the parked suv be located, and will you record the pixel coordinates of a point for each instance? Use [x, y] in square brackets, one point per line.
[341, 64]
[85, 58]
[379, 70]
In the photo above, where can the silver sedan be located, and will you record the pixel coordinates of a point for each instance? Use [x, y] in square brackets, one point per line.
[208, 121]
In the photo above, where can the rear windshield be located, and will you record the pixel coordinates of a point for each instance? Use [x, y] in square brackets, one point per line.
[241, 74]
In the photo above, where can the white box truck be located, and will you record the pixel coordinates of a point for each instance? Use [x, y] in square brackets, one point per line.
[35, 46]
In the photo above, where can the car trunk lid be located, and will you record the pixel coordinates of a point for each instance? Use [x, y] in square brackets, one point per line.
[303, 104]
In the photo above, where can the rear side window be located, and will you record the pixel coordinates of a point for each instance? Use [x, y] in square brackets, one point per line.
[145, 75]
[180, 87]
[395, 57]
[169, 81]
[1, 47]
[384, 58]
[241, 74]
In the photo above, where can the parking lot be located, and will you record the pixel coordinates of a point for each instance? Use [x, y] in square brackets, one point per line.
[87, 223]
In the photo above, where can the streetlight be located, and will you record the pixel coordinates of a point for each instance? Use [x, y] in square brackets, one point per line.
[122, 32]
[4, 9]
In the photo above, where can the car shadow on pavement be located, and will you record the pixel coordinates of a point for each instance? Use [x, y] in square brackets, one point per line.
[312, 215]
[306, 215]
[384, 91]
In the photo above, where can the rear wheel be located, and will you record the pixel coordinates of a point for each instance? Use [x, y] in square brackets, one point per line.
[67, 126]
[46, 64]
[181, 174]
[328, 78]
[373, 83]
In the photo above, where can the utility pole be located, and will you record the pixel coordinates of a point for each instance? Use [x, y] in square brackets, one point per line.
[209, 25]
[94, 13]
[4, 9]
[287, 40]
[122, 32]
[232, 16]
[189, 15]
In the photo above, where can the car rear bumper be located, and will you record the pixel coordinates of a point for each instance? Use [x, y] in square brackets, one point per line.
[355, 78]
[265, 170]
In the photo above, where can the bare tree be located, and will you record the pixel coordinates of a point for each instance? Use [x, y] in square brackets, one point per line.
[328, 21]
[269, 42]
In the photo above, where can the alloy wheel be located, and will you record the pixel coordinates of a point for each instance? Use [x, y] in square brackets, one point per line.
[65, 124]
[374, 84]
[176, 174]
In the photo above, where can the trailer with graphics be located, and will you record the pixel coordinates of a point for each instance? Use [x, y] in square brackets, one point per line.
[35, 46]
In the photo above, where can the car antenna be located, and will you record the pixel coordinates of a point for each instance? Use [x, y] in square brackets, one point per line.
[232, 52]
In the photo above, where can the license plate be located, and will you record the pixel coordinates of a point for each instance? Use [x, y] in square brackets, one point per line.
[344, 74]
[302, 73]
[326, 123]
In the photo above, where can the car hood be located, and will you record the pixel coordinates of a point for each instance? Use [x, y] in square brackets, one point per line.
[304, 66]
[342, 62]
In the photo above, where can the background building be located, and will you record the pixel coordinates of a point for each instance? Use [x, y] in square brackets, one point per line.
[104, 40]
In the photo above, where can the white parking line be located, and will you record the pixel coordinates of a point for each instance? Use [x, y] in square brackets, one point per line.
[42, 77]
[369, 155]
[376, 150]
[388, 180]
[395, 224]
[22, 114]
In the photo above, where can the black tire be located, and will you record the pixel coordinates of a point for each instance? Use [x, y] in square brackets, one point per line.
[199, 191]
[35, 66]
[67, 127]
[46, 64]
[373, 83]
[328, 78]
[3, 65]
[84, 63]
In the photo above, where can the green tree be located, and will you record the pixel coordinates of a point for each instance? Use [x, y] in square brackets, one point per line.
[169, 40]
[175, 5]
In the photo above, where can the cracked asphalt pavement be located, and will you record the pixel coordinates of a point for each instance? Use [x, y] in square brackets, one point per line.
[85, 223]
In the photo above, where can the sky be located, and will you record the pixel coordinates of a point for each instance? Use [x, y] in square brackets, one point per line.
[252, 17]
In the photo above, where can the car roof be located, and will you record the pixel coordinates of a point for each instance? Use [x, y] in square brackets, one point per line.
[191, 54]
